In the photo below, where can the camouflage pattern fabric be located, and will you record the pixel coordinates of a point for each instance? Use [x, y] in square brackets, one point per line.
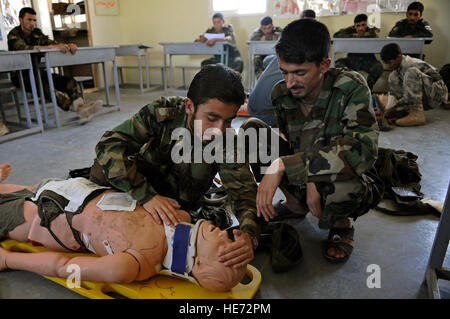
[256, 36]
[415, 82]
[17, 40]
[402, 28]
[366, 62]
[66, 87]
[234, 57]
[334, 147]
[135, 157]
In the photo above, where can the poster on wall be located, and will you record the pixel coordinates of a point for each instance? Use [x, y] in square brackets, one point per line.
[358, 6]
[11, 9]
[324, 8]
[288, 8]
[394, 5]
[106, 7]
[293, 8]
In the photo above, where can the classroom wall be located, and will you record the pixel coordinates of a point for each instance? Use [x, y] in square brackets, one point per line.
[104, 30]
[151, 22]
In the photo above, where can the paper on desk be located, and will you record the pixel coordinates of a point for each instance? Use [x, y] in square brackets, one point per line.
[210, 36]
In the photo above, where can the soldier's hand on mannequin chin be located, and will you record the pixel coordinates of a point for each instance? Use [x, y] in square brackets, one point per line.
[238, 253]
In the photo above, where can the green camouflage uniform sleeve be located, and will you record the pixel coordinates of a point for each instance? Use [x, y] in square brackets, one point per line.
[346, 154]
[345, 33]
[370, 33]
[256, 35]
[277, 32]
[117, 149]
[229, 35]
[241, 187]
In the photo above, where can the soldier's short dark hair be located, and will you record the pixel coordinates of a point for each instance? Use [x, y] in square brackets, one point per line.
[360, 18]
[217, 81]
[390, 52]
[304, 40]
[416, 5]
[308, 13]
[266, 20]
[218, 15]
[26, 10]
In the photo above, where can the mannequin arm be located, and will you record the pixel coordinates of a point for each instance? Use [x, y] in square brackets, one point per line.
[116, 268]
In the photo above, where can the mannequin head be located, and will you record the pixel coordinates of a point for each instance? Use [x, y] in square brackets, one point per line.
[207, 270]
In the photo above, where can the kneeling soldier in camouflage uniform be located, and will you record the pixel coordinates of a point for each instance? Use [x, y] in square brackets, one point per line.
[136, 157]
[412, 83]
[27, 37]
[327, 118]
[366, 62]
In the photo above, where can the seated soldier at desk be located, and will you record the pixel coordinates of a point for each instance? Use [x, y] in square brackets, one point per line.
[413, 26]
[266, 32]
[27, 36]
[129, 244]
[361, 61]
[234, 57]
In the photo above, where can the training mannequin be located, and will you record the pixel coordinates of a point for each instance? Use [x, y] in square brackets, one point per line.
[131, 246]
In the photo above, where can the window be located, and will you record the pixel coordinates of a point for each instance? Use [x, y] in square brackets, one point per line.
[239, 6]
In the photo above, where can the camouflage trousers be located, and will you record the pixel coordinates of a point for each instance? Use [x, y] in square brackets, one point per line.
[416, 87]
[235, 62]
[66, 88]
[345, 198]
[370, 65]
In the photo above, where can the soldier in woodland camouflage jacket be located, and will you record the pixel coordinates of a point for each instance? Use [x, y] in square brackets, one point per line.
[136, 156]
[331, 138]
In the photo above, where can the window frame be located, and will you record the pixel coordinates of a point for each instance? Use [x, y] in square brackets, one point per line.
[235, 13]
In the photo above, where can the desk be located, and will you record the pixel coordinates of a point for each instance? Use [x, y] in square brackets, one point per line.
[258, 48]
[374, 45]
[191, 48]
[84, 55]
[19, 61]
[138, 50]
